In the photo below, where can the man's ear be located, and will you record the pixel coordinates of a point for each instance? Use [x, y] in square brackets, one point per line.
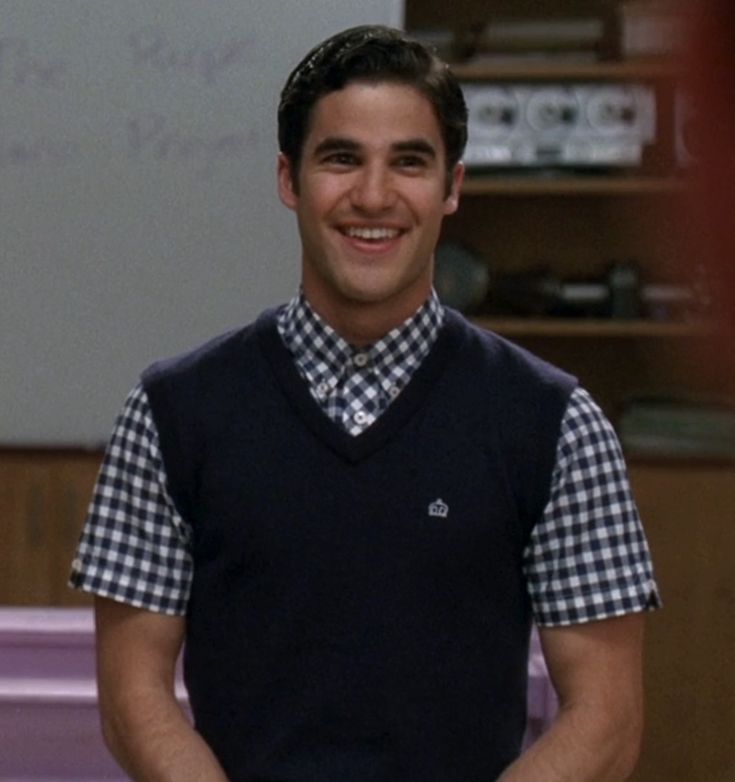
[287, 186]
[452, 200]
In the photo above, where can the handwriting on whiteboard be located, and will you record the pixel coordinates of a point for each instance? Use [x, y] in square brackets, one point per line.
[20, 66]
[18, 152]
[155, 138]
[126, 131]
[152, 49]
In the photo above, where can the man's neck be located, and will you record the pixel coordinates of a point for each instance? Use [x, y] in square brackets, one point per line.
[364, 323]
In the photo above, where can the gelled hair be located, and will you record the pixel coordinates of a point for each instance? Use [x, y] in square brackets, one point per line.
[373, 54]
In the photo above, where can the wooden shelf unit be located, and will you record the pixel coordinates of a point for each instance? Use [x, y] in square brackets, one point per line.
[576, 224]
[573, 226]
[591, 328]
[555, 184]
[518, 69]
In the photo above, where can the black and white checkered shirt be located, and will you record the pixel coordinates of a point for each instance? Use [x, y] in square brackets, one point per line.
[587, 558]
[355, 385]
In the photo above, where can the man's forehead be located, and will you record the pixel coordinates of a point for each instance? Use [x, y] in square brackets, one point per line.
[349, 112]
[376, 90]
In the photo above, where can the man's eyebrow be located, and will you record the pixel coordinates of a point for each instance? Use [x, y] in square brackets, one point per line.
[344, 144]
[420, 145]
[336, 144]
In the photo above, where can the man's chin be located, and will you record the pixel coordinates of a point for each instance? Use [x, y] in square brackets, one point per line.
[370, 295]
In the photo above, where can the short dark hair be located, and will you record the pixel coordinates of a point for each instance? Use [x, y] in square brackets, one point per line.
[371, 53]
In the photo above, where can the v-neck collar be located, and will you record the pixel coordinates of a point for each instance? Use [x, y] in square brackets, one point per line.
[356, 447]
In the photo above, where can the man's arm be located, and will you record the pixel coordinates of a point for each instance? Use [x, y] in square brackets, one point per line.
[596, 669]
[143, 725]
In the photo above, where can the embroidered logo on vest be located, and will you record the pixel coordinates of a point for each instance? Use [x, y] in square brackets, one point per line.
[439, 509]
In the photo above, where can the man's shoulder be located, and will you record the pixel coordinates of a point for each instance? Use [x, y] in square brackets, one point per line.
[496, 353]
[211, 356]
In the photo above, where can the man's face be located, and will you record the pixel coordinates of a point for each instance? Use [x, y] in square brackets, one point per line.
[370, 199]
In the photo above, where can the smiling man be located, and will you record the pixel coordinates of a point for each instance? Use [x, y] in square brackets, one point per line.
[352, 510]
[370, 192]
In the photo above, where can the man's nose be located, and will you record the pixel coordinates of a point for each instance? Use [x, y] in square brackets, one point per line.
[373, 189]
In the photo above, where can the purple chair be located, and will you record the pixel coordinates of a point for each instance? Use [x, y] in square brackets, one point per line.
[49, 725]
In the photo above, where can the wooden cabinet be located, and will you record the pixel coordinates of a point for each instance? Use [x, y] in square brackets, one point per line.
[689, 512]
[44, 496]
[576, 225]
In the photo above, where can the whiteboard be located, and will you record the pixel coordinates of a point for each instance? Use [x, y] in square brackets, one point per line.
[138, 207]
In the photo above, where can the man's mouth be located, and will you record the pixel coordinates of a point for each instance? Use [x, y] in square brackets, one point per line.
[372, 234]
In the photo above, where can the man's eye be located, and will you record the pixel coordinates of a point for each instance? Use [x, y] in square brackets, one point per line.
[341, 159]
[411, 161]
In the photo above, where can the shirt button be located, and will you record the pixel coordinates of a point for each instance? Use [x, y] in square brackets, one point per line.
[360, 359]
[393, 392]
[360, 417]
[322, 390]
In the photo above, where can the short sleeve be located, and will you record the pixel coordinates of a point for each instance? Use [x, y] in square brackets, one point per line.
[134, 547]
[588, 558]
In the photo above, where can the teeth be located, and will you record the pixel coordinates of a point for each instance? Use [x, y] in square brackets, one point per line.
[372, 233]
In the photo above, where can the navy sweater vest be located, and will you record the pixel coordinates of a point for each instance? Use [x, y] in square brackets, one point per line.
[358, 610]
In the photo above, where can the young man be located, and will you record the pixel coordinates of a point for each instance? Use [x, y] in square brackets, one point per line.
[352, 509]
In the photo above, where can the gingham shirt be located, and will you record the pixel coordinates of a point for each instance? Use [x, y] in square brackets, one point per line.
[587, 557]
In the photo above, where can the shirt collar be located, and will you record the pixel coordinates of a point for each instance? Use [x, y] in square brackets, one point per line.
[323, 357]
